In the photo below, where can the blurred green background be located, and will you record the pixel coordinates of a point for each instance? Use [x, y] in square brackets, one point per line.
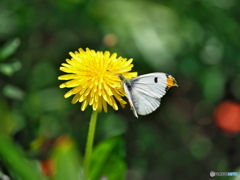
[196, 41]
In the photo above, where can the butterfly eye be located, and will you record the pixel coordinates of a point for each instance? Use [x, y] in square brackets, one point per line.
[155, 79]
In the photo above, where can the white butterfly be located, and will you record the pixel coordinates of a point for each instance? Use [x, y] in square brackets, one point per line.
[144, 92]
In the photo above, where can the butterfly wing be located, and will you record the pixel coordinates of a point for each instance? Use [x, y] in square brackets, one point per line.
[143, 103]
[146, 92]
[128, 89]
[140, 103]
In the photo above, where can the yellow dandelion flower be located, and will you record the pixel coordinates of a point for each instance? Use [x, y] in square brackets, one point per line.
[92, 77]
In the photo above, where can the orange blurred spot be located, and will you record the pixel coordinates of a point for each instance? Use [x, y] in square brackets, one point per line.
[110, 40]
[47, 167]
[227, 116]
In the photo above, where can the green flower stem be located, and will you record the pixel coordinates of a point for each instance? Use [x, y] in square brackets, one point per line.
[89, 144]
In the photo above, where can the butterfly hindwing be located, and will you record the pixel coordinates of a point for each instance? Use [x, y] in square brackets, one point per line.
[143, 103]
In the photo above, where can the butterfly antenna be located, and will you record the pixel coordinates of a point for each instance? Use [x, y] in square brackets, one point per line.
[112, 72]
[119, 75]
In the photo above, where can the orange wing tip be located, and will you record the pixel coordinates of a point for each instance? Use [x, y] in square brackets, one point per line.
[171, 82]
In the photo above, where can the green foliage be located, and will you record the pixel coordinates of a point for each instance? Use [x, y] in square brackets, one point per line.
[14, 158]
[9, 48]
[108, 160]
[67, 160]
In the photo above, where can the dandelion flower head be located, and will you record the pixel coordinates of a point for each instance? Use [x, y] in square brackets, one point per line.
[93, 78]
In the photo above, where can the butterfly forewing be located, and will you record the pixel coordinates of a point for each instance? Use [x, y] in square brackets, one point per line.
[153, 84]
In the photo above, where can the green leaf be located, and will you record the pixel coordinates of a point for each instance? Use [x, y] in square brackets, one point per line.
[67, 161]
[11, 120]
[14, 159]
[13, 92]
[107, 160]
[9, 48]
[9, 69]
